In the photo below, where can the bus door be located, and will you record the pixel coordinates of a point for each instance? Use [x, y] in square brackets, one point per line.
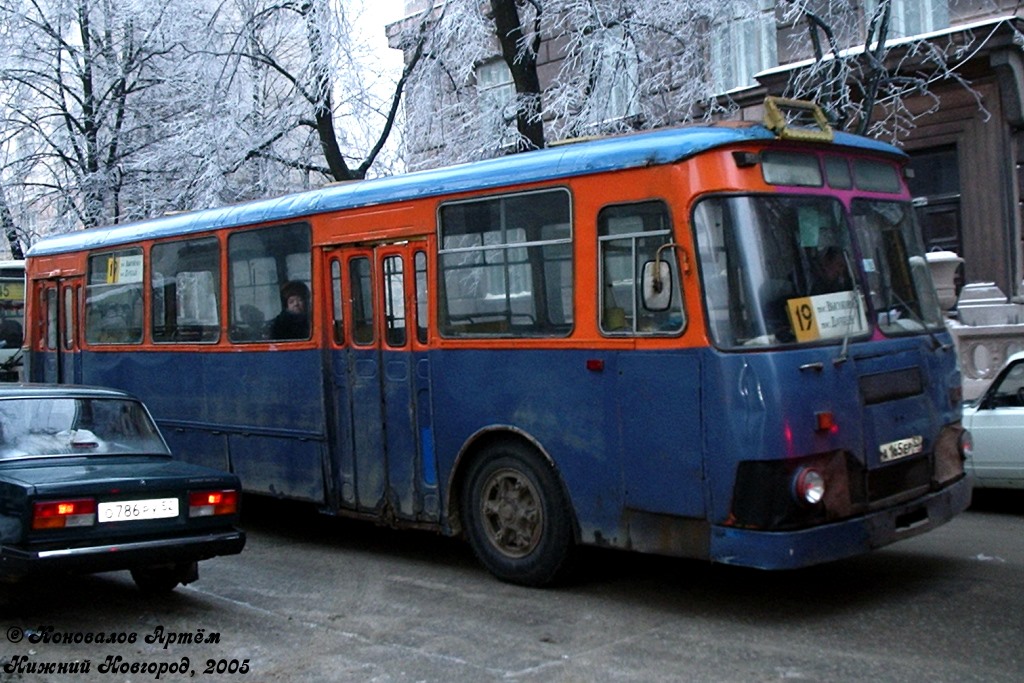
[59, 301]
[380, 381]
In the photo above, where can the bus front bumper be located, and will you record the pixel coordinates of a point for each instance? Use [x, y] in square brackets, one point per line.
[838, 540]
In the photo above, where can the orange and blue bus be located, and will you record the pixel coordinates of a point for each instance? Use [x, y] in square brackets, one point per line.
[12, 319]
[716, 342]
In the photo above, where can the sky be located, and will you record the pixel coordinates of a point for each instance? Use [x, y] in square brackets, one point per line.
[371, 18]
[374, 16]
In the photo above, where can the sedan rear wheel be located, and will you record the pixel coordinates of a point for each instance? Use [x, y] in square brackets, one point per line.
[164, 578]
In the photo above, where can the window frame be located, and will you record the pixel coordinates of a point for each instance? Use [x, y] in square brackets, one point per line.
[95, 330]
[610, 328]
[239, 328]
[208, 333]
[486, 251]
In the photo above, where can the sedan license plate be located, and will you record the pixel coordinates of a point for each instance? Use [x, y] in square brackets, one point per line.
[894, 450]
[130, 510]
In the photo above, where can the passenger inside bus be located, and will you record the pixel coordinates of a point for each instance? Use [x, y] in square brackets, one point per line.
[829, 272]
[293, 320]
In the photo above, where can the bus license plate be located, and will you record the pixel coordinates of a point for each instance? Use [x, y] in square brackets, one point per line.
[129, 510]
[894, 450]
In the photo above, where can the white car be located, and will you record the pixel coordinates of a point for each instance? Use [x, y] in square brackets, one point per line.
[996, 423]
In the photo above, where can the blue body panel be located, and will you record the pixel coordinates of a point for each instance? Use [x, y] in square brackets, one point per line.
[769, 404]
[646, 443]
[240, 411]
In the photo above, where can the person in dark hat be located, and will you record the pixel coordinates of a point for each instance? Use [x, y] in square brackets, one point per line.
[830, 273]
[293, 320]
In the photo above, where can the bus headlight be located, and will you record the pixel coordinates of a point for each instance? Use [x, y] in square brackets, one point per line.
[796, 493]
[808, 486]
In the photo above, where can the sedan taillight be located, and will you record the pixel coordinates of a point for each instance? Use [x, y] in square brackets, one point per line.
[210, 503]
[62, 514]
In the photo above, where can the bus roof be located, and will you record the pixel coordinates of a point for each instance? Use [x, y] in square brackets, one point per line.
[635, 150]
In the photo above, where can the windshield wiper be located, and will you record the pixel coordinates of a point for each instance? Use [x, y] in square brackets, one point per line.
[844, 350]
[916, 317]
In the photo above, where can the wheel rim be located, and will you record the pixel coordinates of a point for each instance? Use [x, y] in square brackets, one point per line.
[512, 512]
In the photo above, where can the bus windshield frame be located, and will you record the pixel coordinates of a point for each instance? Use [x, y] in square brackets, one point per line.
[783, 270]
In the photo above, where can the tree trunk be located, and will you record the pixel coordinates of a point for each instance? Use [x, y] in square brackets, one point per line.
[522, 62]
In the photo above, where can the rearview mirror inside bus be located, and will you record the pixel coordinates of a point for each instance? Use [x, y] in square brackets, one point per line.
[657, 281]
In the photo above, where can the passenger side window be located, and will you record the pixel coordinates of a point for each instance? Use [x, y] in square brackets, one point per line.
[185, 283]
[113, 298]
[394, 301]
[635, 243]
[269, 284]
[70, 316]
[337, 320]
[1010, 392]
[506, 266]
[49, 301]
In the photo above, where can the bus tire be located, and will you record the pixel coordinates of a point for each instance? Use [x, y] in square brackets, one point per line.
[516, 517]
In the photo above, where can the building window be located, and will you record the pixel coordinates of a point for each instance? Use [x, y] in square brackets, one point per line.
[912, 17]
[613, 76]
[496, 94]
[936, 191]
[494, 83]
[743, 43]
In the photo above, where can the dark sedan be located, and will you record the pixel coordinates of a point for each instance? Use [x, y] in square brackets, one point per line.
[87, 484]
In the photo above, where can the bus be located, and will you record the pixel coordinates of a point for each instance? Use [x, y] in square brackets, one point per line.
[631, 342]
[12, 319]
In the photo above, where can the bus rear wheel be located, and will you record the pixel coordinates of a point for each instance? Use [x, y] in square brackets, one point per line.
[516, 516]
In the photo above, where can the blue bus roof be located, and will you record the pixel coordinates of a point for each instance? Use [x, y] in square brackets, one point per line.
[636, 150]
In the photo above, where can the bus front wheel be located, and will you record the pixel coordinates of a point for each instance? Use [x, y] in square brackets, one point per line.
[516, 516]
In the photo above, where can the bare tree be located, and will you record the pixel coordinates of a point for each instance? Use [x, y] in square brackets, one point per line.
[607, 66]
[864, 74]
[615, 65]
[9, 228]
[112, 110]
[77, 80]
[519, 45]
[301, 61]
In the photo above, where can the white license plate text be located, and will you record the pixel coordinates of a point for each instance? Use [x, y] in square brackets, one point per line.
[128, 510]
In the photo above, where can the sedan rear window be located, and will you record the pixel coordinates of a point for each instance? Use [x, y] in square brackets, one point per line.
[56, 426]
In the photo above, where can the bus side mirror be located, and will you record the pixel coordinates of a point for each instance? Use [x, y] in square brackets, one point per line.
[657, 285]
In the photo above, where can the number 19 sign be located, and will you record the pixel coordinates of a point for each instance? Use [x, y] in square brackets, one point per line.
[124, 269]
[826, 316]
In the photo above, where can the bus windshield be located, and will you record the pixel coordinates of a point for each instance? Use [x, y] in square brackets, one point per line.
[780, 270]
[899, 282]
